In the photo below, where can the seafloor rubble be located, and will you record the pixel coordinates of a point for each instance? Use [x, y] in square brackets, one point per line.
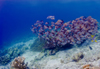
[75, 58]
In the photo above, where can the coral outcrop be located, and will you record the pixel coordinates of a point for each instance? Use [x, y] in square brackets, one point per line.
[78, 57]
[19, 63]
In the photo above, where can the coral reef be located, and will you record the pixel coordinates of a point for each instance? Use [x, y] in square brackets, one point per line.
[5, 59]
[59, 34]
[7, 55]
[18, 63]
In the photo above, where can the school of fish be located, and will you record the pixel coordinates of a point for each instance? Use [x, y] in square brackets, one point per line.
[60, 33]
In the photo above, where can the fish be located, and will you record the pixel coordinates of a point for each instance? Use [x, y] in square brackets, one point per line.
[56, 27]
[52, 24]
[39, 25]
[51, 17]
[90, 47]
[50, 27]
[38, 22]
[47, 23]
[65, 24]
[59, 22]
[93, 38]
[33, 30]
[47, 33]
[46, 27]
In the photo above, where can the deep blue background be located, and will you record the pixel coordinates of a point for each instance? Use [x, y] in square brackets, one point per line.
[16, 17]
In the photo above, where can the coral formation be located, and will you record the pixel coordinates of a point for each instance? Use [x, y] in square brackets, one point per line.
[78, 56]
[7, 55]
[89, 66]
[18, 63]
[5, 59]
[60, 33]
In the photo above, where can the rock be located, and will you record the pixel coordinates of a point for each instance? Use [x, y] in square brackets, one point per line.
[37, 45]
[78, 57]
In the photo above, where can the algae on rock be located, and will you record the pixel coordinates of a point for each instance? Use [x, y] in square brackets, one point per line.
[38, 45]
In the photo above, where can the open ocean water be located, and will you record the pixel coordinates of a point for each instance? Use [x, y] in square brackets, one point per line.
[18, 16]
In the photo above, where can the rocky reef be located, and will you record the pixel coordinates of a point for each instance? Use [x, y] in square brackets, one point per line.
[9, 54]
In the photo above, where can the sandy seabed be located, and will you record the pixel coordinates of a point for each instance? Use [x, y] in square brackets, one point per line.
[63, 59]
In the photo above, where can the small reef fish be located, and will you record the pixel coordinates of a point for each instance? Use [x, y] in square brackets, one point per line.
[46, 27]
[52, 24]
[93, 38]
[60, 33]
[47, 23]
[38, 22]
[51, 17]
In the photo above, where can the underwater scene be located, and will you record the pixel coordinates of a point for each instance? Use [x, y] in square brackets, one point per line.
[49, 34]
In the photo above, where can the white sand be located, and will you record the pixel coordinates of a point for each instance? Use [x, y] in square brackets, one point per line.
[53, 62]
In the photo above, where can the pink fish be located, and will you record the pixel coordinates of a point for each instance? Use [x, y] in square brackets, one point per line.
[59, 22]
[50, 27]
[51, 17]
[47, 38]
[39, 25]
[47, 23]
[65, 24]
[58, 42]
[52, 24]
[56, 27]
[52, 31]
[65, 29]
[46, 27]
[33, 30]
[47, 33]
[38, 22]
[48, 42]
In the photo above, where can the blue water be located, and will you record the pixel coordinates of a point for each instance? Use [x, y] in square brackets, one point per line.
[16, 17]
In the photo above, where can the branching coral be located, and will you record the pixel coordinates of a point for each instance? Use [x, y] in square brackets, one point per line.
[18, 63]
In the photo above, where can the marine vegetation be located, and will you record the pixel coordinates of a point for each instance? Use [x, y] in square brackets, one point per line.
[37, 45]
[60, 33]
